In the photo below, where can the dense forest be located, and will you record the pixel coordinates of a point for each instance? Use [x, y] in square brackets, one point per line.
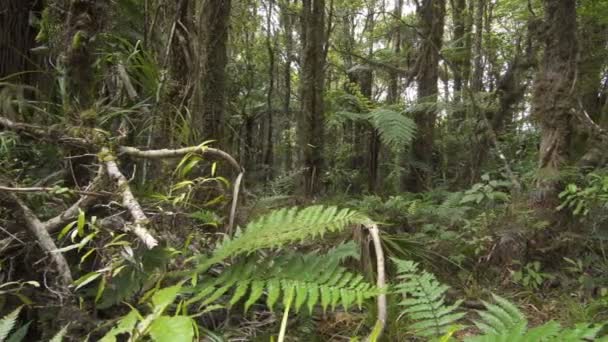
[303, 170]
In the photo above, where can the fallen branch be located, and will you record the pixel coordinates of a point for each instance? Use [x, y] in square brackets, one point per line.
[53, 134]
[45, 240]
[83, 203]
[54, 190]
[374, 232]
[130, 202]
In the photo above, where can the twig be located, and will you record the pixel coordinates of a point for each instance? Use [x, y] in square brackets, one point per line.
[380, 282]
[130, 202]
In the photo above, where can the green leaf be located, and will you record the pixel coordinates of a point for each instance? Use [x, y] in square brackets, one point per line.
[60, 335]
[172, 329]
[7, 323]
[81, 222]
[165, 297]
[19, 335]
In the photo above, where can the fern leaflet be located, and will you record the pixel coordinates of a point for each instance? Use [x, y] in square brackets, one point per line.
[503, 321]
[424, 301]
[281, 227]
[299, 279]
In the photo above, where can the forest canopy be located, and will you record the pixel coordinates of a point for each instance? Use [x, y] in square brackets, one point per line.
[303, 170]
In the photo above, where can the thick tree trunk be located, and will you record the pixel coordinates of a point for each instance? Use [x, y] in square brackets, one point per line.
[17, 37]
[214, 20]
[553, 98]
[310, 121]
[431, 14]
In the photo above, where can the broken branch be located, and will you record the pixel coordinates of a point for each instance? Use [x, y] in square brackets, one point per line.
[130, 202]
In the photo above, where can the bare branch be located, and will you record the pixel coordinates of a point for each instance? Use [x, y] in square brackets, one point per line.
[51, 134]
[130, 202]
[83, 203]
[51, 190]
[166, 153]
[44, 239]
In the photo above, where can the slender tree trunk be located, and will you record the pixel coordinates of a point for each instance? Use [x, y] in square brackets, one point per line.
[458, 17]
[287, 20]
[310, 121]
[431, 14]
[269, 153]
[213, 21]
[478, 65]
[552, 100]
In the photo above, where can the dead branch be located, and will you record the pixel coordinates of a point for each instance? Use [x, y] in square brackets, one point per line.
[374, 232]
[130, 202]
[52, 134]
[52, 190]
[44, 239]
[166, 153]
[203, 150]
[83, 203]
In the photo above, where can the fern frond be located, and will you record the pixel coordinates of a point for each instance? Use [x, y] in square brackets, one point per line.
[300, 279]
[424, 301]
[501, 317]
[396, 130]
[7, 323]
[503, 321]
[284, 226]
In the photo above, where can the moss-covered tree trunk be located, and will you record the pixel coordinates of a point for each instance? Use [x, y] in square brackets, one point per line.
[552, 101]
[431, 14]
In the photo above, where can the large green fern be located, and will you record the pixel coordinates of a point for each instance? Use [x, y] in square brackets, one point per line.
[424, 301]
[281, 227]
[503, 321]
[395, 128]
[297, 278]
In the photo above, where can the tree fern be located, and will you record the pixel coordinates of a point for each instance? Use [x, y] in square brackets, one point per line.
[281, 227]
[503, 321]
[424, 301]
[396, 130]
[298, 279]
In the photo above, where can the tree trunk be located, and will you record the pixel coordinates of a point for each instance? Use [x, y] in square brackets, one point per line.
[214, 20]
[287, 20]
[552, 100]
[478, 66]
[431, 15]
[17, 37]
[310, 121]
[270, 47]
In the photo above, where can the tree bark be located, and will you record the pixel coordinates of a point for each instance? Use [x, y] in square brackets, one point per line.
[431, 14]
[552, 100]
[17, 37]
[310, 121]
[213, 21]
[270, 47]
